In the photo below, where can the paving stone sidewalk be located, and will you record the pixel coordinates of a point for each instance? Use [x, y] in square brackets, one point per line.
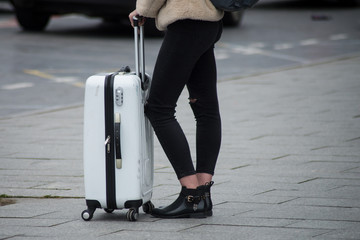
[289, 166]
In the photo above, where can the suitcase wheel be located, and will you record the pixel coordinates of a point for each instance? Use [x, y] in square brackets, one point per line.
[87, 215]
[148, 207]
[132, 215]
[108, 210]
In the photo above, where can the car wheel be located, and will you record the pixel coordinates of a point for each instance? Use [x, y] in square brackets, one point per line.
[233, 19]
[31, 20]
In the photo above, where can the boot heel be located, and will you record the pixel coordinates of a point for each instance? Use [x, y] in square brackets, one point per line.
[209, 213]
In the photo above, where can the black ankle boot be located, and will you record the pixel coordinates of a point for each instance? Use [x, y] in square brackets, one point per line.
[189, 204]
[207, 198]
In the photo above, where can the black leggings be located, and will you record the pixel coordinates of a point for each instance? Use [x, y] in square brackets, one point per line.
[187, 58]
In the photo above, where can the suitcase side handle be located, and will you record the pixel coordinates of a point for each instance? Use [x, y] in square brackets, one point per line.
[118, 158]
[139, 51]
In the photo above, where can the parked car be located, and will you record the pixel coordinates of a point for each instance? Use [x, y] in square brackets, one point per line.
[34, 15]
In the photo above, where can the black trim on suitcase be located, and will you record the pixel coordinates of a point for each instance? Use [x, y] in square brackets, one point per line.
[93, 204]
[134, 203]
[110, 140]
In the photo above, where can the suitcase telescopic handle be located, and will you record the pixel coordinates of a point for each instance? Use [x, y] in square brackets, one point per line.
[139, 49]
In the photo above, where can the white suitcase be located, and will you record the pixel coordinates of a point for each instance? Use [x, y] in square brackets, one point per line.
[118, 141]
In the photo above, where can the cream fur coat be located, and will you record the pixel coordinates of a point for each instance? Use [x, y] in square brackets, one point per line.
[168, 11]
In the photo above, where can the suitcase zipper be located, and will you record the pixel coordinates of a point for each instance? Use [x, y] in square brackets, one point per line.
[109, 142]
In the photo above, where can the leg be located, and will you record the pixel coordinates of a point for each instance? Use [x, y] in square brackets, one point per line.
[170, 75]
[190, 181]
[184, 44]
[204, 103]
[203, 178]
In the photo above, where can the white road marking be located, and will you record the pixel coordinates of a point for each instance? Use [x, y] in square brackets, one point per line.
[257, 45]
[246, 50]
[66, 79]
[337, 37]
[221, 54]
[17, 86]
[251, 51]
[282, 46]
[308, 42]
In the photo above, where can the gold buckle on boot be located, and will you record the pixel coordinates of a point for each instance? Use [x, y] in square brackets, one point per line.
[190, 198]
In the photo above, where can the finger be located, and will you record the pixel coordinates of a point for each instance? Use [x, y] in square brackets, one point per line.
[131, 15]
[131, 20]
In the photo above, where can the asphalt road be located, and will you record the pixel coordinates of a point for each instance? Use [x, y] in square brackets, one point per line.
[43, 71]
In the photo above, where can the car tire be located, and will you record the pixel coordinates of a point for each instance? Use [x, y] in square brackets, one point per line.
[233, 19]
[31, 20]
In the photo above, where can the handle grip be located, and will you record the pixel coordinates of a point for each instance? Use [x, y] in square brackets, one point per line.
[118, 157]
